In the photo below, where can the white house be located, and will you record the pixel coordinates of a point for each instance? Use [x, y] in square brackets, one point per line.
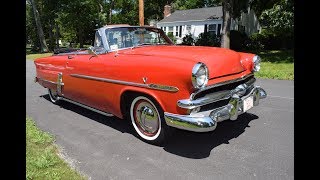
[196, 21]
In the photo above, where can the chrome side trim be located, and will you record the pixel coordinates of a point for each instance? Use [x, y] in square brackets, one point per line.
[220, 84]
[109, 80]
[149, 86]
[85, 106]
[163, 87]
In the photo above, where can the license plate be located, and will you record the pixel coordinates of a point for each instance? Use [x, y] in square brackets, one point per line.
[247, 103]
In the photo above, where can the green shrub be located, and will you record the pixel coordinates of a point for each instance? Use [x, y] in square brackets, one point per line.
[188, 40]
[172, 37]
[254, 42]
[238, 40]
[208, 39]
[269, 40]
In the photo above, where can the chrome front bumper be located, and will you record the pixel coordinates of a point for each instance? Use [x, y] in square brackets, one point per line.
[207, 120]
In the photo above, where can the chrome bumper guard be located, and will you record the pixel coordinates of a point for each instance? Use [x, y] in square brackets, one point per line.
[207, 120]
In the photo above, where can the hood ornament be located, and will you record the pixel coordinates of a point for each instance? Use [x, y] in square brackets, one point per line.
[144, 80]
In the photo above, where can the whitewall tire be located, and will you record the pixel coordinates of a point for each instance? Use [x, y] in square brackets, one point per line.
[147, 120]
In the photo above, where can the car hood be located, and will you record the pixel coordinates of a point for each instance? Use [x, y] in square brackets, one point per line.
[220, 61]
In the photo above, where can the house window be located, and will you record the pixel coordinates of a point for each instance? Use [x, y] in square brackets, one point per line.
[177, 30]
[170, 29]
[212, 28]
[188, 28]
[164, 28]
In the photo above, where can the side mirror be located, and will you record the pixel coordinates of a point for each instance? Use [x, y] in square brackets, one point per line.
[92, 51]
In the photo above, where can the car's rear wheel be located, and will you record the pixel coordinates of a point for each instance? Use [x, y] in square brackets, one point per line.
[54, 97]
[147, 120]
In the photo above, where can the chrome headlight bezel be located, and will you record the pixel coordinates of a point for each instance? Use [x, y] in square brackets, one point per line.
[256, 60]
[200, 75]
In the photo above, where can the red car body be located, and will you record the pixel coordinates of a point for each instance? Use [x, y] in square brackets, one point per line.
[161, 72]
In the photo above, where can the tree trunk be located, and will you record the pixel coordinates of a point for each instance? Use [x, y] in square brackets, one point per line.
[51, 37]
[141, 13]
[227, 13]
[110, 10]
[43, 44]
[57, 35]
[80, 37]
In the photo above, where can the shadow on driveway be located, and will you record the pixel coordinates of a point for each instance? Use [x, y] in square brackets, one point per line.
[182, 143]
[199, 145]
[113, 122]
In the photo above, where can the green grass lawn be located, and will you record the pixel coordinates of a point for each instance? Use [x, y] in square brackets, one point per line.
[34, 56]
[276, 71]
[276, 64]
[42, 160]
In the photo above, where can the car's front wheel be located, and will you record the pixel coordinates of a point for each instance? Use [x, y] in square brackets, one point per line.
[53, 94]
[147, 120]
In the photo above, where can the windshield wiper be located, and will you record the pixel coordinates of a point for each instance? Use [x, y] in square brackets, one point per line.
[142, 44]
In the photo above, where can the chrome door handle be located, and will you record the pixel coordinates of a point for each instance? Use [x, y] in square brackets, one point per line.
[70, 57]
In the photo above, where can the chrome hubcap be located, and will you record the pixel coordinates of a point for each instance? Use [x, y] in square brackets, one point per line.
[146, 118]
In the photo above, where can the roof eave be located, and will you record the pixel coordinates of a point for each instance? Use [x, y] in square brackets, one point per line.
[161, 22]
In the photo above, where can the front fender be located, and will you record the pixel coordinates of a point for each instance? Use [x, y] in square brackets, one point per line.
[166, 100]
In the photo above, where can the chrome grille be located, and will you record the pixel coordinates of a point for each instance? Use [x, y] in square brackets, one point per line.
[249, 80]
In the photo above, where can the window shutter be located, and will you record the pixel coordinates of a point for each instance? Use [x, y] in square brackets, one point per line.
[219, 29]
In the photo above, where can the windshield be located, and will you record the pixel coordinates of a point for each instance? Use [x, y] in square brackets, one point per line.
[126, 37]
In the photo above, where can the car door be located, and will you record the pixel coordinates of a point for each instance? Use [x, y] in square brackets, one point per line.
[81, 80]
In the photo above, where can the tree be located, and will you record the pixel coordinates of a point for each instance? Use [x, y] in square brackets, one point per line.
[43, 44]
[126, 12]
[110, 8]
[153, 9]
[226, 22]
[280, 18]
[260, 5]
[48, 18]
[192, 4]
[231, 9]
[31, 30]
[79, 19]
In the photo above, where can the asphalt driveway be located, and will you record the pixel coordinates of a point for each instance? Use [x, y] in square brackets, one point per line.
[259, 145]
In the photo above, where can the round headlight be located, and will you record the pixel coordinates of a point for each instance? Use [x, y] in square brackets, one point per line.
[200, 75]
[256, 63]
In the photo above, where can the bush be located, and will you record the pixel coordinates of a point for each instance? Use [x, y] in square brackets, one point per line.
[188, 40]
[268, 40]
[238, 40]
[172, 37]
[208, 39]
[254, 42]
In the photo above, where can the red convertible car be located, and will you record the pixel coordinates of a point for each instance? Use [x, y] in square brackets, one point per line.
[137, 73]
